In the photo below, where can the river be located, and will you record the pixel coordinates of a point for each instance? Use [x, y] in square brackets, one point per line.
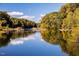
[32, 44]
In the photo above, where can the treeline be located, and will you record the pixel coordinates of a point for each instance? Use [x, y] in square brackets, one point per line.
[10, 22]
[66, 18]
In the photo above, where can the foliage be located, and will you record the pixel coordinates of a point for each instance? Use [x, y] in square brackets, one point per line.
[62, 27]
[8, 21]
[66, 18]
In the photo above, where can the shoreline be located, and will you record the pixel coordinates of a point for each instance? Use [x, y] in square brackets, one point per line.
[19, 29]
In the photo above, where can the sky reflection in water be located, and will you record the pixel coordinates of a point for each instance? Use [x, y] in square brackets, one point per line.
[32, 45]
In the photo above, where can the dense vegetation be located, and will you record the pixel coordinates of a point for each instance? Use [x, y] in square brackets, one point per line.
[62, 28]
[66, 18]
[6, 21]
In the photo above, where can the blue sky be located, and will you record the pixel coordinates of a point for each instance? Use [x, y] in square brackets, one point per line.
[33, 11]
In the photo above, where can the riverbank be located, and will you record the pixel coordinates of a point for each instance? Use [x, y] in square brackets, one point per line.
[18, 29]
[6, 30]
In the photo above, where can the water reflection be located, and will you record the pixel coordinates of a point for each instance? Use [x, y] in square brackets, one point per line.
[13, 37]
[68, 40]
[51, 36]
[5, 39]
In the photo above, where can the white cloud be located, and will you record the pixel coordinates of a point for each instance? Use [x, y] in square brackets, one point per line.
[42, 15]
[15, 13]
[27, 17]
[16, 42]
[19, 41]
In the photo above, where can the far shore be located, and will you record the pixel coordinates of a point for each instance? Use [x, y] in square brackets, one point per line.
[18, 29]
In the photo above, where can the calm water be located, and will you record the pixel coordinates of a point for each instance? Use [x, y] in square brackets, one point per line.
[33, 44]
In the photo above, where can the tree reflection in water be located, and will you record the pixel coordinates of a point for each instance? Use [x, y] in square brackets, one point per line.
[68, 40]
[5, 37]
